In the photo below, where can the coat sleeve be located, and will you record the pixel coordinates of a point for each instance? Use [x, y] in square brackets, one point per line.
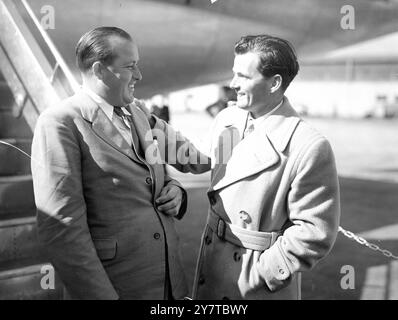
[179, 152]
[61, 209]
[313, 206]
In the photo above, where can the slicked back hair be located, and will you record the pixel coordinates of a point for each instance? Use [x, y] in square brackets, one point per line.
[277, 56]
[95, 46]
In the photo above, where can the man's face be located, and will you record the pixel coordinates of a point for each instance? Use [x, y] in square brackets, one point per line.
[251, 87]
[120, 76]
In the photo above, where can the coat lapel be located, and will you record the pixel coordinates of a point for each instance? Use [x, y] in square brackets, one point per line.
[258, 151]
[250, 156]
[103, 127]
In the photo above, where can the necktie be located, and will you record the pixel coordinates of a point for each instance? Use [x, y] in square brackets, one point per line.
[249, 127]
[124, 123]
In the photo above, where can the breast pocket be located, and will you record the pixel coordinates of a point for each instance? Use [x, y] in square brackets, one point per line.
[106, 248]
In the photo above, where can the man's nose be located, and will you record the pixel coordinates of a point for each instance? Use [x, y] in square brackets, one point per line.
[233, 84]
[137, 74]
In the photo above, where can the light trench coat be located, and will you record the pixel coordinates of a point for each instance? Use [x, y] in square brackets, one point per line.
[274, 207]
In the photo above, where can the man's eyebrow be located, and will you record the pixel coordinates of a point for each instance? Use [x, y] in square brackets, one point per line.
[239, 73]
[130, 63]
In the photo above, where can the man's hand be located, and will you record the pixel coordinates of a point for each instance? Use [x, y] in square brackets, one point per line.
[170, 200]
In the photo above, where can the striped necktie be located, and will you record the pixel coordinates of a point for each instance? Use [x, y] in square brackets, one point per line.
[125, 124]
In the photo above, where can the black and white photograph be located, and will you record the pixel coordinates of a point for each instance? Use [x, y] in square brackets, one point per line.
[198, 154]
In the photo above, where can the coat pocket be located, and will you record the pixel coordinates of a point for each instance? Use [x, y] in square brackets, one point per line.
[106, 248]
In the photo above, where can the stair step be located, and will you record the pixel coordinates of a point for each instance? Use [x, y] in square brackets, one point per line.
[16, 194]
[24, 281]
[18, 239]
[11, 127]
[9, 215]
[6, 96]
[13, 161]
[6, 266]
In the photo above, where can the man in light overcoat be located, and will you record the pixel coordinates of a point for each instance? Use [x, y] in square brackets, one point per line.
[274, 204]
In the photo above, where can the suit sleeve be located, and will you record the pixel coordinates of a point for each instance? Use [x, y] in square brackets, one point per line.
[179, 152]
[314, 212]
[61, 209]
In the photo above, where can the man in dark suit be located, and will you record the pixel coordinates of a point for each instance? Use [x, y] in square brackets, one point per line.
[105, 211]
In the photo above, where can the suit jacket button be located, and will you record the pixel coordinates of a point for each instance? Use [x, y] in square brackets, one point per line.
[237, 256]
[156, 236]
[207, 240]
[201, 280]
[281, 271]
[148, 180]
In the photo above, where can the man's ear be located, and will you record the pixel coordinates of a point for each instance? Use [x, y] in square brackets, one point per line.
[98, 70]
[276, 83]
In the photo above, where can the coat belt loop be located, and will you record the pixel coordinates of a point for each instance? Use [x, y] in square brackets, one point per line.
[274, 237]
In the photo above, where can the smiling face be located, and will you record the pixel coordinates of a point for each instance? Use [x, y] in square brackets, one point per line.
[252, 88]
[121, 75]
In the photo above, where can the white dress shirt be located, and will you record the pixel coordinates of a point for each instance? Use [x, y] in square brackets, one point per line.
[252, 124]
[108, 110]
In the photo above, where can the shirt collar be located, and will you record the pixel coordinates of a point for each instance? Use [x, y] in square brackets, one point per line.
[105, 106]
[258, 120]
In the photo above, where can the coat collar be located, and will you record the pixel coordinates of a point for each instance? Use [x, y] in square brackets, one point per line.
[102, 126]
[278, 126]
[259, 150]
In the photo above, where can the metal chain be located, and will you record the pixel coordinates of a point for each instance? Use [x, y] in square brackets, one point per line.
[364, 242]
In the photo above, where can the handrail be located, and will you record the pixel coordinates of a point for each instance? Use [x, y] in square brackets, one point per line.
[53, 49]
[25, 67]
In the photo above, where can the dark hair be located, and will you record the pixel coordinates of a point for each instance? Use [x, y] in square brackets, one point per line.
[94, 46]
[277, 56]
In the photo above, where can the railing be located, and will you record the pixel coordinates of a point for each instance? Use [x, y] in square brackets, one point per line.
[34, 82]
[60, 62]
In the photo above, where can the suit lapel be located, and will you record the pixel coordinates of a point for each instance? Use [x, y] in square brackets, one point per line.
[142, 128]
[103, 127]
[149, 146]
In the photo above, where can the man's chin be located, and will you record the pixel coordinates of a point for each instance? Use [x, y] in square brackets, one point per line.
[243, 106]
[129, 99]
